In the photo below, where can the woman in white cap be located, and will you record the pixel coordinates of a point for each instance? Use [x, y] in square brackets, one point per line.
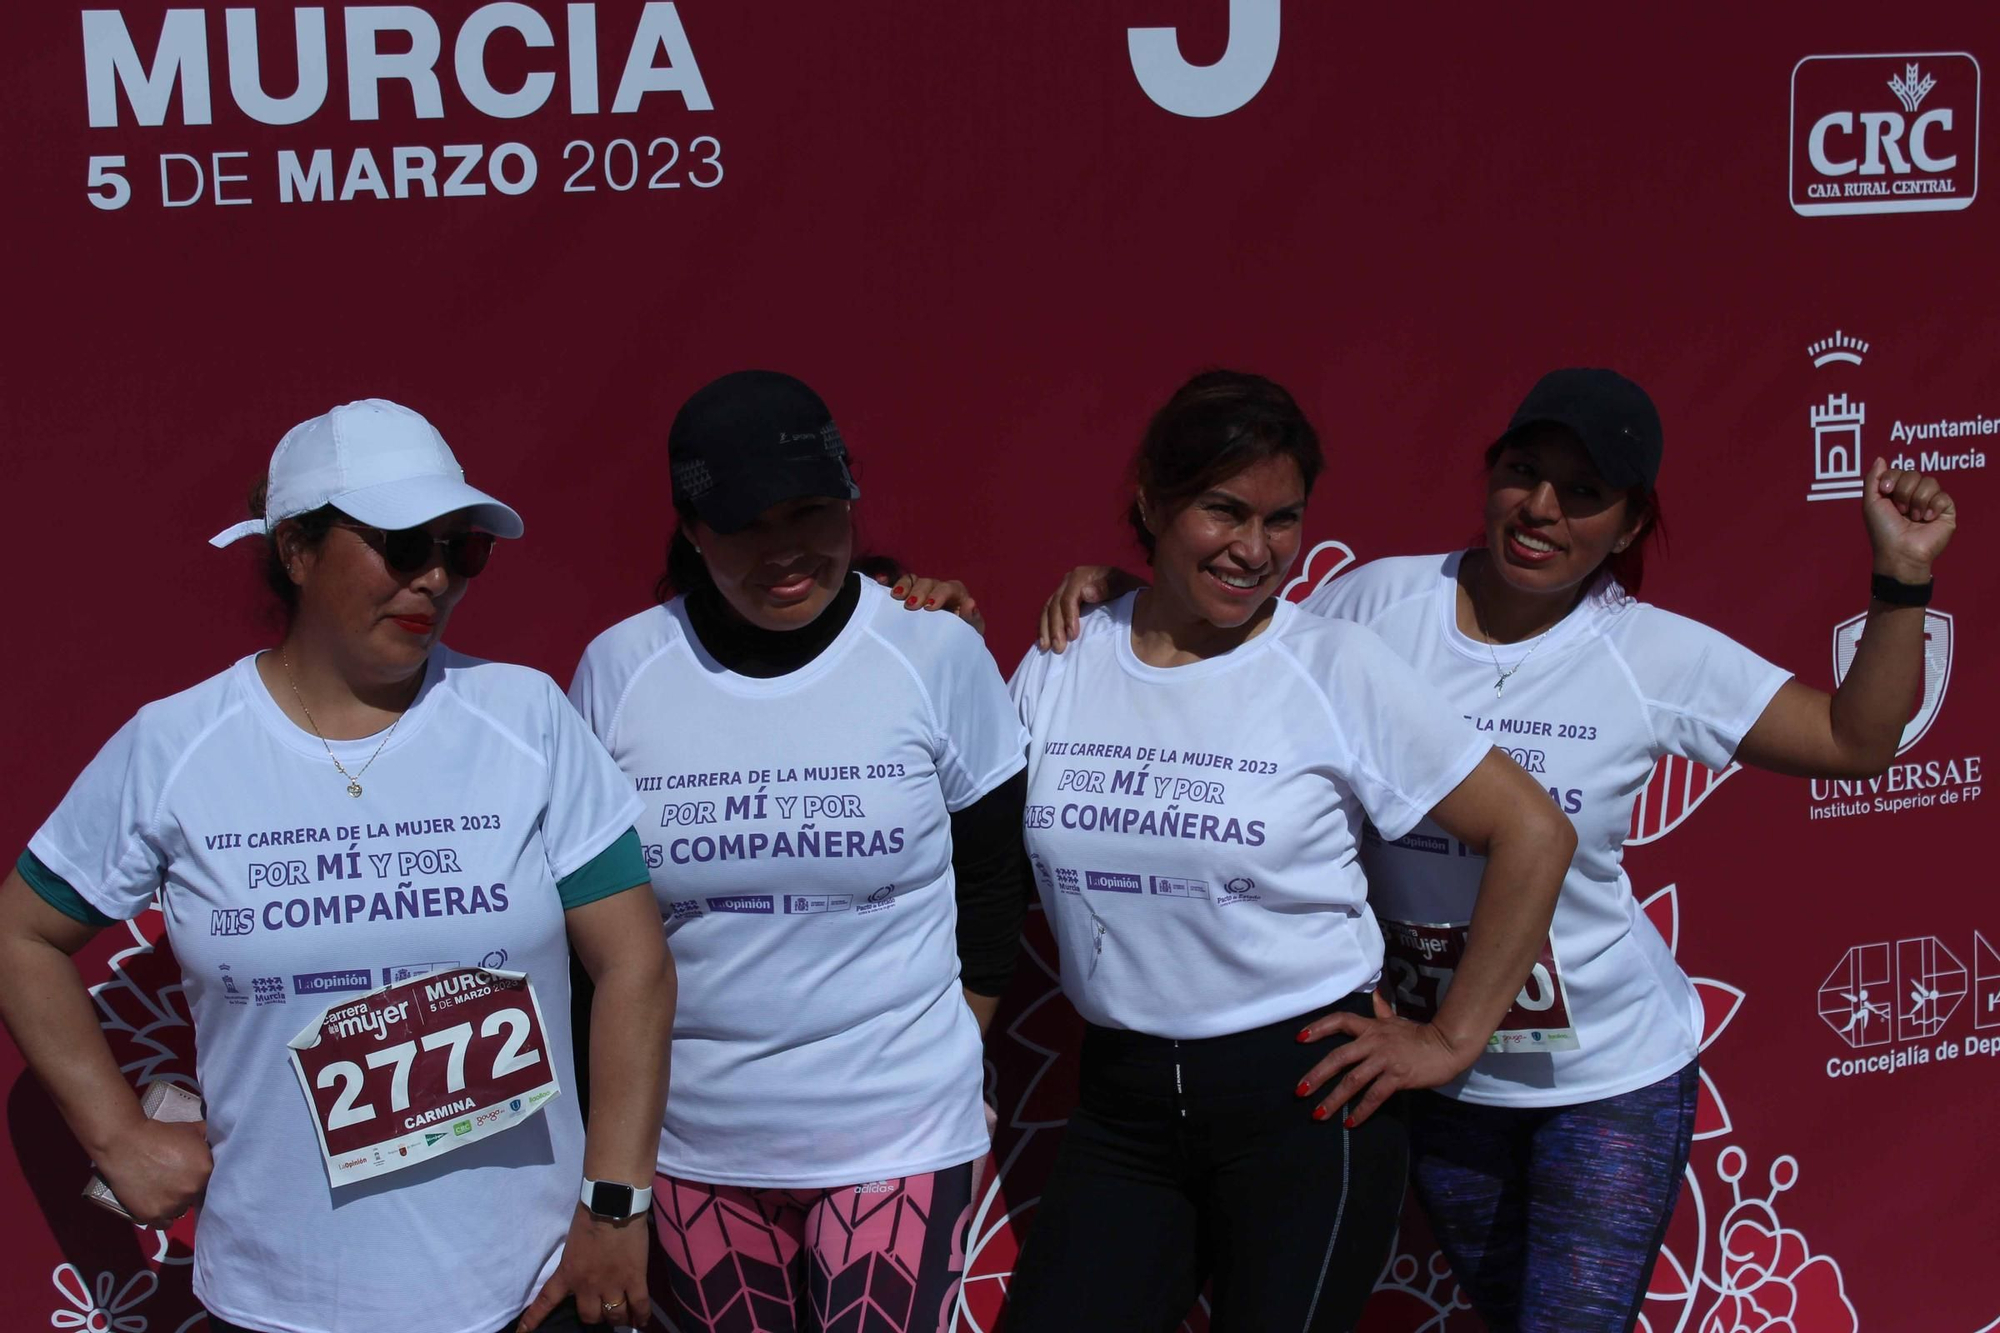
[355, 807]
[833, 811]
[1550, 1168]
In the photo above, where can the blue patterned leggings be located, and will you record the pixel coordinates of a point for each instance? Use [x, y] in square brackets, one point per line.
[1552, 1216]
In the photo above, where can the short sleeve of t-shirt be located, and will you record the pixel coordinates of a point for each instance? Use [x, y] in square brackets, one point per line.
[1406, 747]
[591, 803]
[1336, 599]
[1702, 690]
[1025, 686]
[980, 741]
[101, 838]
[594, 690]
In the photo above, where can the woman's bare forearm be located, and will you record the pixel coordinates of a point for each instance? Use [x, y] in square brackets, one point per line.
[1525, 866]
[48, 1011]
[619, 942]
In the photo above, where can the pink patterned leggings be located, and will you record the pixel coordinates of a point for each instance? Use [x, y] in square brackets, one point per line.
[882, 1257]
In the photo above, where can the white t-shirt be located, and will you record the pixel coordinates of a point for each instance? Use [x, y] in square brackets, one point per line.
[279, 890]
[1614, 686]
[1194, 829]
[799, 833]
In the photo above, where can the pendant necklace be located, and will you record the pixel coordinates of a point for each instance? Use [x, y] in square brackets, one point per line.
[1504, 674]
[1501, 679]
[353, 779]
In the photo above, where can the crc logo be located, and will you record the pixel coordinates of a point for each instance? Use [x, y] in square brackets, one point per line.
[232, 921]
[1885, 133]
[1937, 667]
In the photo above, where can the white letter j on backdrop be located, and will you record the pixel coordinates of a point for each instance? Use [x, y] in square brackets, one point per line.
[1208, 90]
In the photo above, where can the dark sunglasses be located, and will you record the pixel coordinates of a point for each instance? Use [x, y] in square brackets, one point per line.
[408, 550]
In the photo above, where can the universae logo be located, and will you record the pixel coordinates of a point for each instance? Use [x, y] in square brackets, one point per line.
[1885, 133]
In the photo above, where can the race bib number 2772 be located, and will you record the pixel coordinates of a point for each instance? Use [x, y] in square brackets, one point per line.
[413, 1070]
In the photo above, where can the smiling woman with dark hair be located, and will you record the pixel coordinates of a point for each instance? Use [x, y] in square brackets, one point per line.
[1206, 762]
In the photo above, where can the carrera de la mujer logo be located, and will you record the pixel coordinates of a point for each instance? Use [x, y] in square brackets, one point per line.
[1891, 133]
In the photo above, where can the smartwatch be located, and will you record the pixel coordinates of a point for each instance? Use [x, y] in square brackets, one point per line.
[612, 1202]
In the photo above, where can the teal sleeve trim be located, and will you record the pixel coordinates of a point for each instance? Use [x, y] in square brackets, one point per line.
[54, 890]
[619, 867]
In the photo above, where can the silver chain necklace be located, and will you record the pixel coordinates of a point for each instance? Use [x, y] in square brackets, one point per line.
[1507, 673]
[353, 779]
[1504, 674]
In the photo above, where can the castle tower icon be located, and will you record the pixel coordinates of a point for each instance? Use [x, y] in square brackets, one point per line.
[1837, 449]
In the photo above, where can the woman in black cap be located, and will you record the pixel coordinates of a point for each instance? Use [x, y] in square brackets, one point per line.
[1550, 1169]
[833, 802]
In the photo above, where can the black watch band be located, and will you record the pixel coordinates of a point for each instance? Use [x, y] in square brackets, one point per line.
[1893, 591]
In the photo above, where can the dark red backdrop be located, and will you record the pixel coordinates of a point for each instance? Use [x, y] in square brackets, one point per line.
[973, 229]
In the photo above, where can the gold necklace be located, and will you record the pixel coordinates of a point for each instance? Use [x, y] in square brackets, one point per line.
[353, 779]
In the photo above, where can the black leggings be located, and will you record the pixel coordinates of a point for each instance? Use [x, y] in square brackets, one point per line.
[1191, 1161]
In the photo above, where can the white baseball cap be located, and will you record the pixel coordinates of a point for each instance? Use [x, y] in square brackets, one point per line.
[379, 463]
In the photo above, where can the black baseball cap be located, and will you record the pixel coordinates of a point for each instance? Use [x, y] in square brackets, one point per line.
[1614, 418]
[750, 440]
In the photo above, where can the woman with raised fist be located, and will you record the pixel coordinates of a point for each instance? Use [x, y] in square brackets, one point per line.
[1206, 765]
[833, 797]
[1549, 1169]
[356, 808]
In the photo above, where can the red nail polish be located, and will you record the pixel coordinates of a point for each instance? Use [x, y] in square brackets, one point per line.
[911, 604]
[1321, 1113]
[1304, 1088]
[1348, 1121]
[1305, 1034]
[931, 601]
